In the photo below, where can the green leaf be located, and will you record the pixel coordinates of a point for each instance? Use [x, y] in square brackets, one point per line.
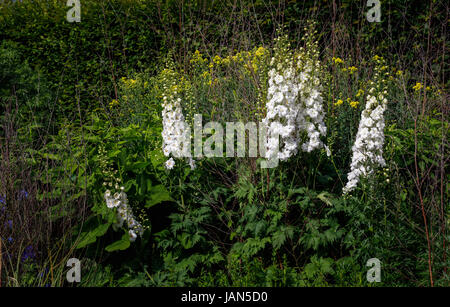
[323, 197]
[157, 157]
[158, 194]
[91, 236]
[121, 244]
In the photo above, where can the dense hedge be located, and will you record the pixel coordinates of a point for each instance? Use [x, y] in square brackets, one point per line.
[83, 61]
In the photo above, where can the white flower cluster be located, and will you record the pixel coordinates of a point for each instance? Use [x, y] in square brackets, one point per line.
[124, 213]
[311, 117]
[282, 110]
[175, 128]
[294, 104]
[368, 147]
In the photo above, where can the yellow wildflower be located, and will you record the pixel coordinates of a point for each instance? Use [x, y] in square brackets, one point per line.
[338, 102]
[260, 51]
[360, 92]
[354, 104]
[352, 69]
[417, 87]
[205, 74]
[376, 58]
[197, 57]
[113, 103]
[217, 59]
[400, 72]
[337, 60]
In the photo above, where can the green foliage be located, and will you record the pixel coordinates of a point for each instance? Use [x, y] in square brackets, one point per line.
[86, 101]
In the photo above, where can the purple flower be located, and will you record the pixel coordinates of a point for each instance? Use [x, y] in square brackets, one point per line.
[23, 194]
[28, 253]
[43, 273]
[10, 240]
[9, 224]
[2, 200]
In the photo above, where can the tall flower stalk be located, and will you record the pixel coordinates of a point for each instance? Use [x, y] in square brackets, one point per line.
[175, 129]
[311, 119]
[294, 101]
[367, 151]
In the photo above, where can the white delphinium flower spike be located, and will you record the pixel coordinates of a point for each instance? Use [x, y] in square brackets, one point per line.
[124, 213]
[311, 116]
[175, 129]
[367, 151]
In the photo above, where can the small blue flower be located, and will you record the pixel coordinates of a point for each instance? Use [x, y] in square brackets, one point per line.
[23, 194]
[28, 253]
[2, 200]
[9, 224]
[43, 273]
[10, 240]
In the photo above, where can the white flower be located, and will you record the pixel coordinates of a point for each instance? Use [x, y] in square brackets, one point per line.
[192, 163]
[170, 163]
[368, 146]
[124, 213]
[112, 202]
[294, 106]
[175, 129]
[133, 235]
[279, 79]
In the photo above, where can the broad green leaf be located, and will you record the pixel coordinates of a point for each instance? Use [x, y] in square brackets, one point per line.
[158, 194]
[91, 236]
[121, 244]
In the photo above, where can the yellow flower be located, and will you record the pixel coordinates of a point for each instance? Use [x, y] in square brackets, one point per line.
[400, 72]
[337, 60]
[354, 104]
[417, 87]
[217, 59]
[376, 58]
[360, 92]
[197, 58]
[352, 69]
[205, 74]
[339, 102]
[113, 103]
[213, 82]
[260, 51]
